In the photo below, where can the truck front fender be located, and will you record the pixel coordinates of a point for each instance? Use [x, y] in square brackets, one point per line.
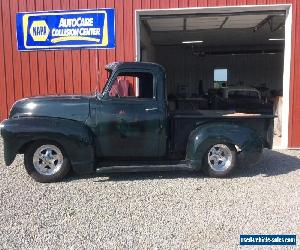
[75, 138]
[203, 137]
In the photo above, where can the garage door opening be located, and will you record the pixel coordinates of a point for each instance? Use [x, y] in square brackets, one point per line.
[230, 59]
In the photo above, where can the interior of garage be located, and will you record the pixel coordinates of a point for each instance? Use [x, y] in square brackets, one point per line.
[205, 55]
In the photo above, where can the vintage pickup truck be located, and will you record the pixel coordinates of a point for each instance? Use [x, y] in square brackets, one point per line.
[128, 127]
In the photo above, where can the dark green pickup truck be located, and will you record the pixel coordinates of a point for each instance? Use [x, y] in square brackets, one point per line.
[128, 127]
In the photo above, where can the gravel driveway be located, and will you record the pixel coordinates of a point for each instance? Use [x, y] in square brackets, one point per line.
[171, 210]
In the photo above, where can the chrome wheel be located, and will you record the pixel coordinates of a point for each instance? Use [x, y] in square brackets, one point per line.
[48, 159]
[219, 157]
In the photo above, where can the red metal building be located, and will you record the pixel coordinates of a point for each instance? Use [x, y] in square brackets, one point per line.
[24, 74]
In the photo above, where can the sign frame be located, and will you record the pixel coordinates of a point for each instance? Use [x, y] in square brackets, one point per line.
[108, 30]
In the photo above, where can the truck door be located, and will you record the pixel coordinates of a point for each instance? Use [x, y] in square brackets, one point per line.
[132, 119]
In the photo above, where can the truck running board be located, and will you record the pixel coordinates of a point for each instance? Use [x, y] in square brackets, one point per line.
[183, 165]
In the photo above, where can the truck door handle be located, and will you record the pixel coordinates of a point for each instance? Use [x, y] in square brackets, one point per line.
[151, 109]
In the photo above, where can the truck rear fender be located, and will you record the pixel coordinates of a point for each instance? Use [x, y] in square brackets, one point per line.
[75, 138]
[245, 140]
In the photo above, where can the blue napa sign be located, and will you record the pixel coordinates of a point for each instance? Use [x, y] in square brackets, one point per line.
[66, 30]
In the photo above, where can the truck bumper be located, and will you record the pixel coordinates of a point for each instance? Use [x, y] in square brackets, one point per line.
[9, 152]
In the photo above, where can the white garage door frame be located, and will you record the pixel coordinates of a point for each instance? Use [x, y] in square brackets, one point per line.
[233, 9]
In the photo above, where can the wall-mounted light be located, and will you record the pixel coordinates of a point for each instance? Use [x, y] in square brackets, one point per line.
[276, 39]
[187, 42]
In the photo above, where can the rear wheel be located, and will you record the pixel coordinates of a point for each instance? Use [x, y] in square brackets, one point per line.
[220, 160]
[46, 161]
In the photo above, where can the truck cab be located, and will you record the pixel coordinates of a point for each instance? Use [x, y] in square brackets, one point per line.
[130, 116]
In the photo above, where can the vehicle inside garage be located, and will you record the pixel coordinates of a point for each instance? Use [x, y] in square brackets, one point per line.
[229, 61]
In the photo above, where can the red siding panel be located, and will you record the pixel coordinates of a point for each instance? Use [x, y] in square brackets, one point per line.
[85, 61]
[8, 57]
[67, 59]
[51, 73]
[232, 2]
[102, 58]
[154, 4]
[76, 66]
[3, 104]
[193, 3]
[59, 60]
[174, 4]
[251, 2]
[183, 3]
[242, 2]
[129, 29]
[33, 61]
[76, 59]
[111, 53]
[146, 4]
[92, 4]
[204, 3]
[120, 55]
[42, 63]
[16, 55]
[164, 4]
[25, 61]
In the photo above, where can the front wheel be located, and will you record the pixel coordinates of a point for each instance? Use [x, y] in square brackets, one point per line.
[220, 160]
[46, 161]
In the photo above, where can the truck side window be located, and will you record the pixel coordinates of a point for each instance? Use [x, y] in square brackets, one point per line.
[126, 84]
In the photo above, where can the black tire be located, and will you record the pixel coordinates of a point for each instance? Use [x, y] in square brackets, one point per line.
[214, 171]
[57, 175]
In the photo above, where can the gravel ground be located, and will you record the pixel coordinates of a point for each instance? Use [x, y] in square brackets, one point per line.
[172, 210]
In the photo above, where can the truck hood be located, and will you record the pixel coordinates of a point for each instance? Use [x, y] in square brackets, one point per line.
[69, 107]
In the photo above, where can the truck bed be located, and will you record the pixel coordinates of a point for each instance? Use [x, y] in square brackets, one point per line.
[183, 122]
[215, 114]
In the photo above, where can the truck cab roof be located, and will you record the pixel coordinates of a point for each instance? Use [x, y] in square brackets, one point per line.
[133, 65]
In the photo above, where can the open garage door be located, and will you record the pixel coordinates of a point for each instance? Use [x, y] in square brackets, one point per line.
[220, 59]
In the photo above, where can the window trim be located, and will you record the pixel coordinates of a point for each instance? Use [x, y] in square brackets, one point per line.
[118, 73]
[221, 67]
